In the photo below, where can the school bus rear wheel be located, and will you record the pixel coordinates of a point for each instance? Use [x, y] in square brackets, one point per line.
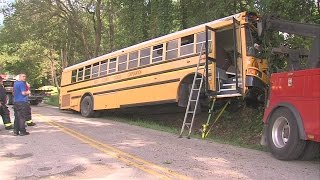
[86, 108]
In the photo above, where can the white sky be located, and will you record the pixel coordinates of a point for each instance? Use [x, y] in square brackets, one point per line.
[1, 3]
[10, 1]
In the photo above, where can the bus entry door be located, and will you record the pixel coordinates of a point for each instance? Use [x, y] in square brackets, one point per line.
[210, 84]
[237, 55]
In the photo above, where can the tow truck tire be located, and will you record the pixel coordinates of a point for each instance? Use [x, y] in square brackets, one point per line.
[9, 99]
[86, 107]
[283, 135]
[311, 151]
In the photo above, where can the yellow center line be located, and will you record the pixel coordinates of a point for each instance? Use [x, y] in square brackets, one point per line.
[161, 172]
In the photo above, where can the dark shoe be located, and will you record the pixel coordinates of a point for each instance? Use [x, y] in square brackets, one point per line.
[24, 133]
[9, 127]
[31, 124]
[16, 133]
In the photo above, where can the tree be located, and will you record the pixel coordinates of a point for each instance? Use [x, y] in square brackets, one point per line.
[65, 32]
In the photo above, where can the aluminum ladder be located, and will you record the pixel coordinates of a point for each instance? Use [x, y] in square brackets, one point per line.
[193, 101]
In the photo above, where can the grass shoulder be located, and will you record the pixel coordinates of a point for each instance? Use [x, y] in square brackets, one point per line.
[241, 128]
[52, 100]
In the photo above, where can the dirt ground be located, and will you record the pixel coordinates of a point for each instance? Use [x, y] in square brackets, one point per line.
[68, 146]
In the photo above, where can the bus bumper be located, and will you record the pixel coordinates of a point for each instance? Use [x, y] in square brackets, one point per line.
[256, 89]
[252, 81]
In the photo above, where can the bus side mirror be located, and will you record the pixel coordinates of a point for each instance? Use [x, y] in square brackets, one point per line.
[259, 27]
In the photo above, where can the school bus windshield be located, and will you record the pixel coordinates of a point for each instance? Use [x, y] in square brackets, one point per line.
[253, 47]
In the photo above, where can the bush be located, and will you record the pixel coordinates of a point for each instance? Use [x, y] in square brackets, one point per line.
[53, 100]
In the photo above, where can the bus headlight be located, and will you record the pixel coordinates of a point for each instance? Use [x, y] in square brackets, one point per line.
[255, 72]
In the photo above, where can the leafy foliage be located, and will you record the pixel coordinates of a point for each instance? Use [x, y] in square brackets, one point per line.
[41, 37]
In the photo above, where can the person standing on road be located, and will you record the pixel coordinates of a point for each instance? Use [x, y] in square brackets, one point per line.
[4, 111]
[21, 105]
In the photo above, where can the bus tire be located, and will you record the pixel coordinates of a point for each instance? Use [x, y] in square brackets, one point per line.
[283, 135]
[183, 95]
[311, 151]
[86, 108]
[9, 99]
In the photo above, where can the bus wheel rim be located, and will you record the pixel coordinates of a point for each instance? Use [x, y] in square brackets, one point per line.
[280, 132]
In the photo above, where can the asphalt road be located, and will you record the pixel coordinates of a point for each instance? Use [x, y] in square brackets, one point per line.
[67, 146]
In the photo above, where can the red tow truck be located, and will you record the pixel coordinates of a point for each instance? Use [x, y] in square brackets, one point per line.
[292, 115]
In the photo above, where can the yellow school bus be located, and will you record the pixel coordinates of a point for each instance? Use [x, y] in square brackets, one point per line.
[161, 70]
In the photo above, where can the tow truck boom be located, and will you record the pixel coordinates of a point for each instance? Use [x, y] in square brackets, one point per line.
[272, 23]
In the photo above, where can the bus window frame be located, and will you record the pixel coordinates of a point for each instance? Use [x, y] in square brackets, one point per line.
[199, 44]
[74, 76]
[188, 44]
[97, 64]
[82, 77]
[141, 57]
[135, 59]
[174, 49]
[102, 63]
[114, 60]
[87, 68]
[124, 62]
[156, 50]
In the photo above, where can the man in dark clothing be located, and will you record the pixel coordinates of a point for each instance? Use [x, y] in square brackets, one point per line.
[21, 105]
[4, 111]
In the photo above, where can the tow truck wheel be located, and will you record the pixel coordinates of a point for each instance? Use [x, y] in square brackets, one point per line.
[283, 135]
[86, 108]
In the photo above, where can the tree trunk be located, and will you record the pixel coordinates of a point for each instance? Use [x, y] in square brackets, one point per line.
[98, 28]
[184, 13]
[70, 14]
[111, 24]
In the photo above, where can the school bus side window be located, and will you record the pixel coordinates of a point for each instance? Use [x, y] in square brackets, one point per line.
[201, 39]
[144, 56]
[187, 45]
[172, 49]
[104, 68]
[95, 70]
[157, 53]
[113, 65]
[122, 65]
[87, 72]
[74, 76]
[80, 74]
[133, 60]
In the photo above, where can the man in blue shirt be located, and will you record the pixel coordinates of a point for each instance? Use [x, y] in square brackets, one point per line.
[21, 105]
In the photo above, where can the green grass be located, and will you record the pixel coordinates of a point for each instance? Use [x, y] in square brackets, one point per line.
[242, 129]
[144, 123]
[53, 100]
